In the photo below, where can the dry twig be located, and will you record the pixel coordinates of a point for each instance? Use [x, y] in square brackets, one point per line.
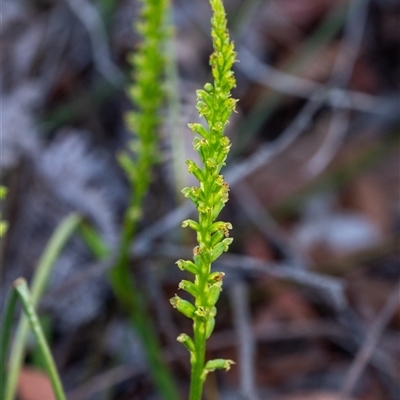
[87, 13]
[341, 75]
[368, 346]
[239, 297]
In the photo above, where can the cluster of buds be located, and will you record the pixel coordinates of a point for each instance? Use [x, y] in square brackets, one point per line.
[215, 104]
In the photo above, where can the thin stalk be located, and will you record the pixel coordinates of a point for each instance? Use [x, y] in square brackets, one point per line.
[94, 241]
[197, 362]
[146, 92]
[199, 329]
[6, 334]
[56, 243]
[130, 296]
[21, 288]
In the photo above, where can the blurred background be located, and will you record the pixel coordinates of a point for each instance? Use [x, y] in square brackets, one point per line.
[310, 308]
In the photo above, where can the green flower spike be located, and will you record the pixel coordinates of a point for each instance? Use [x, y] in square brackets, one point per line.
[147, 94]
[215, 104]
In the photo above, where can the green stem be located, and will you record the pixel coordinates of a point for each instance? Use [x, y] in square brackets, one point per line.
[6, 333]
[198, 361]
[94, 241]
[26, 299]
[199, 325]
[215, 103]
[130, 296]
[46, 262]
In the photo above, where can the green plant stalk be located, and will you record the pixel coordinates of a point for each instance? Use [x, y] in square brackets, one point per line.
[26, 299]
[147, 94]
[56, 243]
[215, 104]
[124, 286]
[9, 312]
[130, 296]
[196, 380]
[36, 356]
[93, 241]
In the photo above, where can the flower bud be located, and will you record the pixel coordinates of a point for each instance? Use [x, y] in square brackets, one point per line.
[208, 87]
[215, 277]
[191, 224]
[199, 128]
[213, 293]
[186, 341]
[189, 287]
[210, 324]
[220, 248]
[195, 170]
[183, 306]
[220, 201]
[185, 265]
[216, 238]
[221, 226]
[193, 193]
[218, 363]
[201, 256]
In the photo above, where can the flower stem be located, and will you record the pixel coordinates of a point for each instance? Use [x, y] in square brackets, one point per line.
[198, 361]
[215, 104]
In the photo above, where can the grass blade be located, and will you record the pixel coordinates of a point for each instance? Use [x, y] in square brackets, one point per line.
[21, 288]
[46, 262]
